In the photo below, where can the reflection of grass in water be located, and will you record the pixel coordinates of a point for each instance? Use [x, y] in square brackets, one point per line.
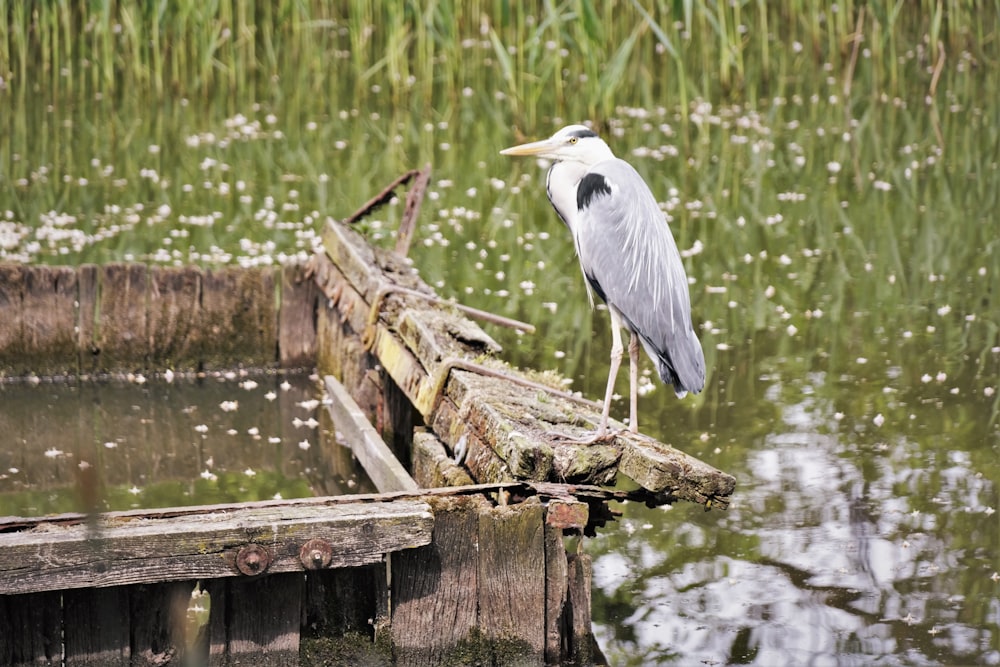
[225, 487]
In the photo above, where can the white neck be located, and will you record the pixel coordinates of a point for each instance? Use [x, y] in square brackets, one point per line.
[561, 184]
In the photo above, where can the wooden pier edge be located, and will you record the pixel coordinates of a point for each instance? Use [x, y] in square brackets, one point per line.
[119, 318]
[373, 336]
[298, 582]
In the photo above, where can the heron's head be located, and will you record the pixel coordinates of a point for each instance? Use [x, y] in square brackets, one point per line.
[575, 143]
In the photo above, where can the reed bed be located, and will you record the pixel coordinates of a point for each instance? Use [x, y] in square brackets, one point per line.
[818, 160]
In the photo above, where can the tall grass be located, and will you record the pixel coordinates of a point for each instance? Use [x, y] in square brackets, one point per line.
[679, 50]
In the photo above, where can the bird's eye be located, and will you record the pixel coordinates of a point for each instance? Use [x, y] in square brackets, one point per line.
[573, 140]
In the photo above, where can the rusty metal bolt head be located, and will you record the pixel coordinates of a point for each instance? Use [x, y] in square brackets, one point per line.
[252, 560]
[316, 554]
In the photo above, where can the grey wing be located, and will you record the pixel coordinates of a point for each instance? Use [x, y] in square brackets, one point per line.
[630, 259]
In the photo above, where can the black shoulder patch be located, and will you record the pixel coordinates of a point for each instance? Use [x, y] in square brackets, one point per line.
[591, 185]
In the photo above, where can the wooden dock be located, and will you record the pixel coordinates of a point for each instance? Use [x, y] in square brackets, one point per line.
[459, 559]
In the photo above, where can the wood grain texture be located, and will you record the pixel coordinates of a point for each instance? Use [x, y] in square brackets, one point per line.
[204, 545]
[120, 330]
[512, 578]
[434, 588]
[239, 318]
[297, 317]
[32, 629]
[174, 317]
[263, 617]
[97, 627]
[49, 312]
[11, 315]
[158, 614]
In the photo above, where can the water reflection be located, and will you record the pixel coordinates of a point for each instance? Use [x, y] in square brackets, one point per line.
[845, 544]
[111, 445]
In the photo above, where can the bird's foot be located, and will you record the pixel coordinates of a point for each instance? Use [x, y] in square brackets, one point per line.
[600, 436]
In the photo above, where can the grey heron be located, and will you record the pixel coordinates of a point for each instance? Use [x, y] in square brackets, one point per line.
[629, 258]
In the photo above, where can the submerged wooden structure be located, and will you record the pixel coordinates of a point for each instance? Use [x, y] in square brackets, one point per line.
[459, 559]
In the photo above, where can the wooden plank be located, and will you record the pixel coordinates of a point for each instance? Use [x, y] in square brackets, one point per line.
[657, 466]
[49, 321]
[121, 325]
[297, 317]
[125, 551]
[582, 647]
[263, 619]
[32, 629]
[217, 631]
[512, 579]
[239, 318]
[158, 614]
[434, 589]
[96, 629]
[382, 466]
[11, 317]
[341, 601]
[174, 317]
[556, 585]
[88, 351]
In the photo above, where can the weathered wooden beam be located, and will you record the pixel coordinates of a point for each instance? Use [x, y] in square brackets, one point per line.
[175, 336]
[297, 317]
[263, 620]
[239, 319]
[124, 317]
[435, 591]
[508, 422]
[383, 468]
[118, 550]
[49, 312]
[32, 629]
[96, 627]
[512, 578]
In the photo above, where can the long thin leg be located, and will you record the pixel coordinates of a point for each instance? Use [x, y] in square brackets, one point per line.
[616, 362]
[633, 383]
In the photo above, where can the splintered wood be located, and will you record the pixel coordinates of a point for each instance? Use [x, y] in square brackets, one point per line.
[498, 420]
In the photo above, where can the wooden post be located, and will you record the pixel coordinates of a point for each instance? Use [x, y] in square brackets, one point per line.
[263, 619]
[120, 333]
[297, 317]
[96, 627]
[434, 589]
[512, 582]
[174, 316]
[158, 615]
[32, 629]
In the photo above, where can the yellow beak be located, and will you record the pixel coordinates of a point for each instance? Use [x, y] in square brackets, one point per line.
[534, 148]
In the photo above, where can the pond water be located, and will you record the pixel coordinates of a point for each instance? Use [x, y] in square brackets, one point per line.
[832, 178]
[194, 440]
